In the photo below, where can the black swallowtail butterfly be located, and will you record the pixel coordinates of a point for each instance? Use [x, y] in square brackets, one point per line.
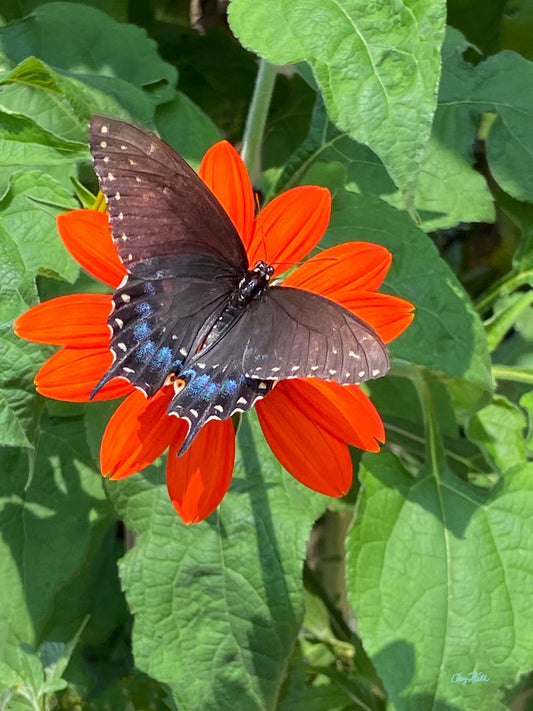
[190, 310]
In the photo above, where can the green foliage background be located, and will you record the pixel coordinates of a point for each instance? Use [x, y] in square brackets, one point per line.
[423, 134]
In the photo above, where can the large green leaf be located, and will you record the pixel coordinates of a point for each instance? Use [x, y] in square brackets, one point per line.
[449, 190]
[118, 59]
[29, 245]
[49, 29]
[501, 85]
[446, 336]
[16, 9]
[218, 605]
[439, 579]
[60, 105]
[498, 430]
[27, 214]
[18, 359]
[48, 497]
[44, 119]
[376, 65]
[26, 145]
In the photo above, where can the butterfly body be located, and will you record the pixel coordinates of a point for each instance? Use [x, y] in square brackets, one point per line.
[191, 311]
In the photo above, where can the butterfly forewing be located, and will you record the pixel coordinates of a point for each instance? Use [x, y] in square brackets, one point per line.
[304, 335]
[158, 206]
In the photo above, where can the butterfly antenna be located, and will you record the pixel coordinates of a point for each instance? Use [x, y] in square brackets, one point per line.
[297, 264]
[263, 242]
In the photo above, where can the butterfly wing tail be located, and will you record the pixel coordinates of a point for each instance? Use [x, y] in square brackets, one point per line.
[211, 395]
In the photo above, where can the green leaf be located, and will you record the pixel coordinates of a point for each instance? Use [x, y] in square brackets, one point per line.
[24, 145]
[9, 677]
[19, 360]
[61, 106]
[377, 67]
[446, 336]
[498, 430]
[218, 605]
[27, 666]
[449, 190]
[479, 21]
[517, 27]
[501, 84]
[55, 656]
[28, 215]
[116, 59]
[507, 311]
[16, 9]
[222, 89]
[185, 126]
[438, 579]
[46, 499]
[505, 85]
[52, 685]
[526, 401]
[47, 34]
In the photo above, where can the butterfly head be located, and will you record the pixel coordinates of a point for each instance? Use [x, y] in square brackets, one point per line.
[263, 269]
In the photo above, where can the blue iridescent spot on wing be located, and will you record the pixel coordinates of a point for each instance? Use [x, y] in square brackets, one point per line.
[198, 384]
[143, 309]
[141, 331]
[163, 359]
[211, 389]
[229, 386]
[146, 351]
[149, 288]
[203, 387]
[176, 364]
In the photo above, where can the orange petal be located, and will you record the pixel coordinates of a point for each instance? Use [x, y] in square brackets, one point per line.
[198, 480]
[79, 321]
[351, 405]
[138, 433]
[224, 172]
[310, 452]
[346, 268]
[86, 235]
[72, 373]
[388, 315]
[288, 228]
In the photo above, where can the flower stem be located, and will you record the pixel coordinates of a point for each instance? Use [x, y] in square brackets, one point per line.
[256, 119]
[517, 375]
[435, 454]
[504, 287]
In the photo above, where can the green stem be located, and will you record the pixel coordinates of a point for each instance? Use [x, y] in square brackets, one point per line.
[517, 375]
[502, 288]
[256, 119]
[435, 453]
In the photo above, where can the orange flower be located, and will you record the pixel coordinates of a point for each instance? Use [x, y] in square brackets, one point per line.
[307, 423]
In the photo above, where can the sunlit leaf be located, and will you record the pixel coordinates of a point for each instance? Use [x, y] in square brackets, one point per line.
[377, 67]
[438, 578]
[218, 605]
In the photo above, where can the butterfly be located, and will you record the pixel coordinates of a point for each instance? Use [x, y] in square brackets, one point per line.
[191, 311]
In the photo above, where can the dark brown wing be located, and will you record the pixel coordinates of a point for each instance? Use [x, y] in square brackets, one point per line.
[157, 204]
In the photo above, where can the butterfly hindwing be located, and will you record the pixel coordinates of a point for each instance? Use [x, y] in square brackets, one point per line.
[157, 324]
[293, 333]
[214, 391]
[158, 206]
